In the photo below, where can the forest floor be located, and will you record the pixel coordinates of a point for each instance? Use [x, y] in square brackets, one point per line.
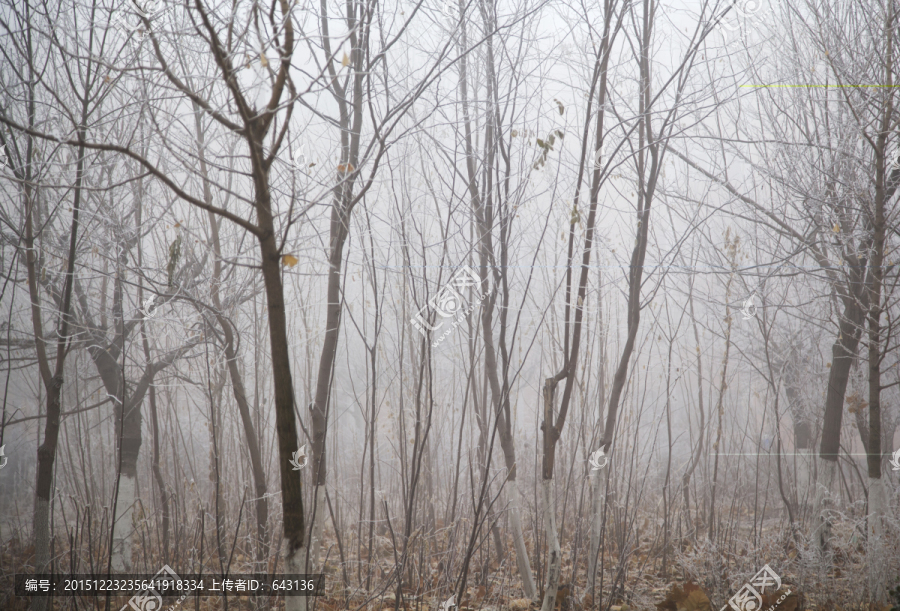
[699, 577]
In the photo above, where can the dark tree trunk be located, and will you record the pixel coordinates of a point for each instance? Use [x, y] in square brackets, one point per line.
[285, 423]
[843, 352]
[53, 382]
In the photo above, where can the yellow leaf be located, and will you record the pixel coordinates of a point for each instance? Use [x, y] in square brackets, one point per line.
[345, 61]
[289, 260]
[836, 228]
[264, 60]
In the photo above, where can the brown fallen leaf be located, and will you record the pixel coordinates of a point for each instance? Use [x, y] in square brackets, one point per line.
[696, 601]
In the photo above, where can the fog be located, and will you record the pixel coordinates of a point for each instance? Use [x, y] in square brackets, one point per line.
[488, 304]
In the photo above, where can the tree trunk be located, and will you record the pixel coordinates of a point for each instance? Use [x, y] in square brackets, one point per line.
[804, 465]
[523, 563]
[876, 556]
[285, 424]
[317, 516]
[731, 253]
[597, 483]
[598, 496]
[842, 354]
[157, 473]
[259, 474]
[237, 381]
[123, 527]
[319, 408]
[548, 507]
[128, 433]
[554, 555]
[122, 530]
[483, 209]
[695, 460]
[826, 480]
[878, 504]
[46, 455]
[130, 440]
[803, 442]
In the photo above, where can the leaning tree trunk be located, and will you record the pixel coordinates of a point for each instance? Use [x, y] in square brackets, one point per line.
[523, 563]
[842, 354]
[856, 299]
[340, 218]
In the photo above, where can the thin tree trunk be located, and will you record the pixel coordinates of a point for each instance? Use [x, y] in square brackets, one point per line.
[597, 483]
[370, 538]
[523, 563]
[879, 508]
[731, 253]
[669, 441]
[351, 119]
[237, 381]
[154, 423]
[151, 393]
[551, 430]
[319, 408]
[214, 396]
[157, 475]
[483, 209]
[695, 460]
